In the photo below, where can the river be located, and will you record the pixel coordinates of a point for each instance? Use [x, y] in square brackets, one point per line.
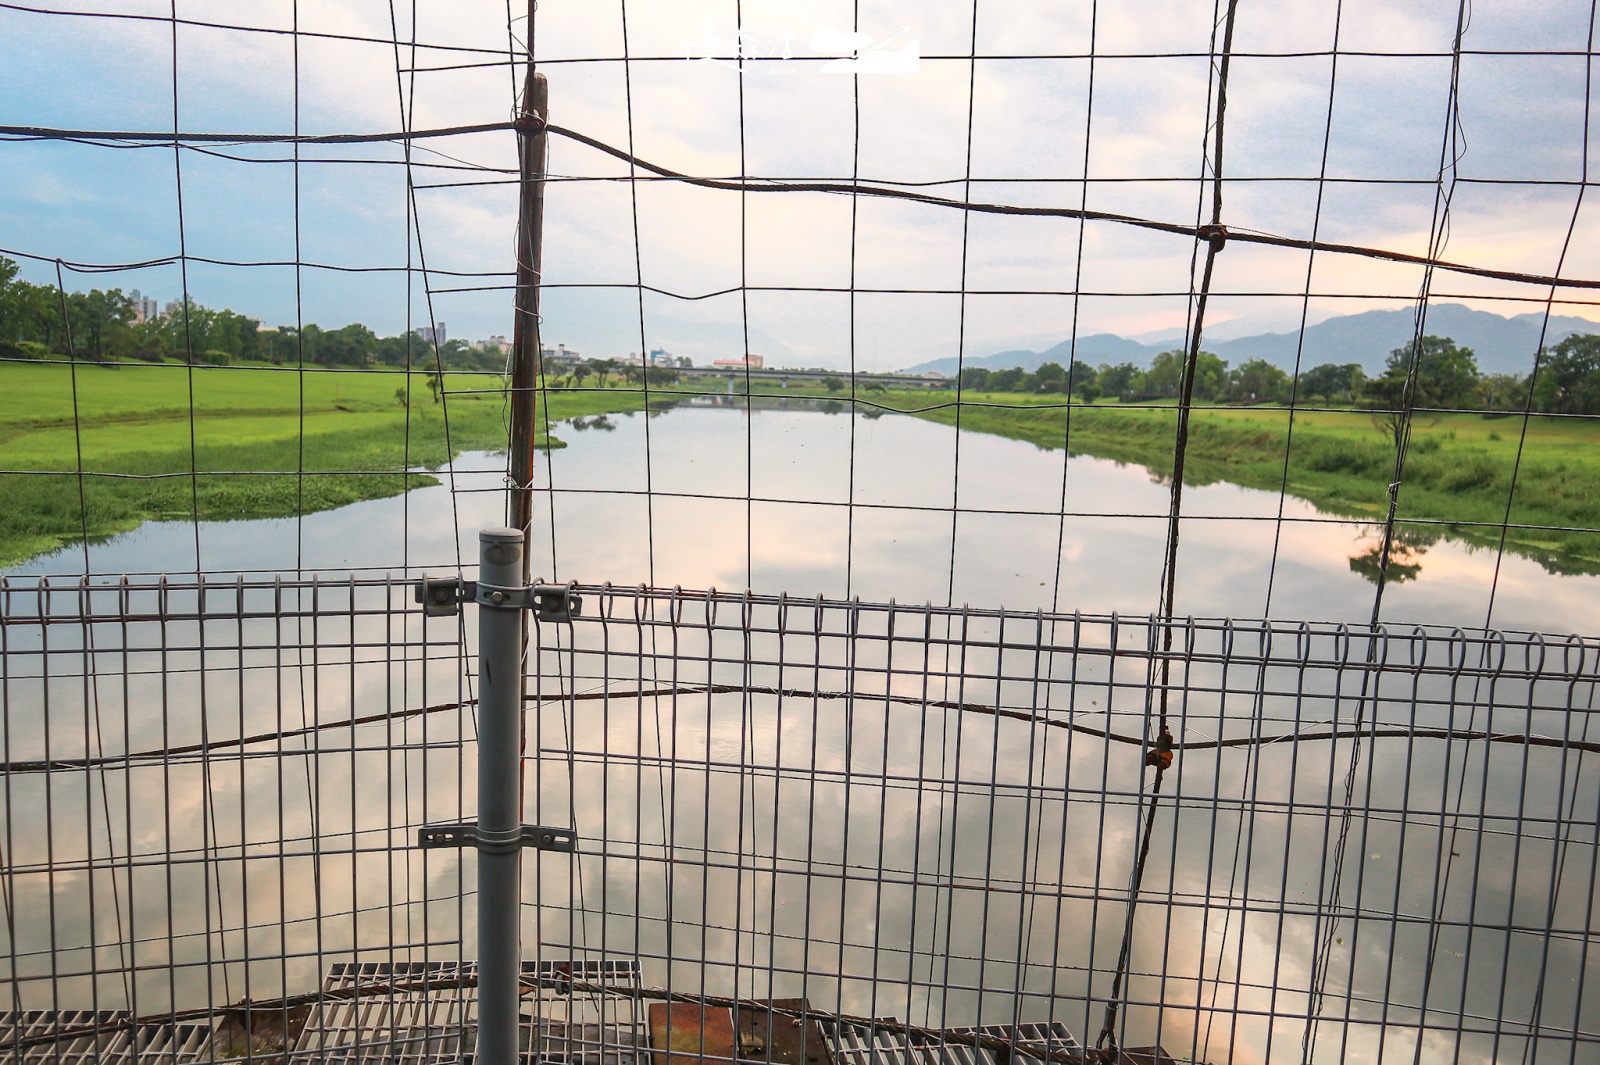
[863, 507]
[835, 860]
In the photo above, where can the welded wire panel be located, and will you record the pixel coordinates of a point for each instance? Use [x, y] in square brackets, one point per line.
[213, 791]
[1371, 843]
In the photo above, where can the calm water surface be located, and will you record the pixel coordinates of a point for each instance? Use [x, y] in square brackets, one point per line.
[863, 507]
[295, 855]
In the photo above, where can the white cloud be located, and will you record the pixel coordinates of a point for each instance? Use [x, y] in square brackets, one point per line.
[1145, 140]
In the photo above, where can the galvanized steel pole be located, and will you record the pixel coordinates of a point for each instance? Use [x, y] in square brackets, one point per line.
[501, 609]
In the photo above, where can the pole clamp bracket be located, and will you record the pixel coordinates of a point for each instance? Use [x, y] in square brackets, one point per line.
[443, 596]
[467, 835]
[493, 595]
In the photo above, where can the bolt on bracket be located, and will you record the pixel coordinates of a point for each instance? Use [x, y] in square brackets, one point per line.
[556, 602]
[443, 596]
[466, 835]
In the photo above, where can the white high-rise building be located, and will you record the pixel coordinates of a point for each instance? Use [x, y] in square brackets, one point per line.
[145, 308]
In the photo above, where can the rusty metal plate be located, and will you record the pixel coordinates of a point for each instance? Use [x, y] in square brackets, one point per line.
[770, 1038]
[685, 1033]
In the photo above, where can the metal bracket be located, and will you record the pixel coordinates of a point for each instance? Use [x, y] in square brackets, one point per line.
[556, 602]
[466, 835]
[504, 598]
[441, 597]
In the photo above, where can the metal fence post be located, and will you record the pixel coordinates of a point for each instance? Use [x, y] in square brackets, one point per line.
[501, 609]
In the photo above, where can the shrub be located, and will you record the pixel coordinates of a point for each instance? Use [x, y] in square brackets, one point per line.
[1340, 456]
[1469, 472]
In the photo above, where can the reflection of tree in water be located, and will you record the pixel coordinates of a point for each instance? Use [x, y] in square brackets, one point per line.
[1405, 552]
[599, 421]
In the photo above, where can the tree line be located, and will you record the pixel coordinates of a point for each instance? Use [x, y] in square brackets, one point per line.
[1447, 377]
[41, 321]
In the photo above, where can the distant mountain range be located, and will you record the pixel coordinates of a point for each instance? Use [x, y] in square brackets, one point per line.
[1503, 345]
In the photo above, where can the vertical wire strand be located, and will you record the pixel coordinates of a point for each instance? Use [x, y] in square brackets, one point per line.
[1444, 191]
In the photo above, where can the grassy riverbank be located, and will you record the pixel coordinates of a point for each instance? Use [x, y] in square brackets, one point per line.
[1457, 477]
[1458, 470]
[254, 429]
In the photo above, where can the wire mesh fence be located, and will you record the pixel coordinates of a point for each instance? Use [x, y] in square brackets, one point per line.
[917, 827]
[808, 831]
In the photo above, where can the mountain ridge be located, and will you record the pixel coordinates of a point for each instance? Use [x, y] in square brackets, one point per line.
[1502, 344]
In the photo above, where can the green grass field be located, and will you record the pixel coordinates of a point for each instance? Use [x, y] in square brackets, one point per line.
[256, 430]
[1458, 470]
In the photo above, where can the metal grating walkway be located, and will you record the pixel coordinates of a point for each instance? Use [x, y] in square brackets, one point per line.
[425, 1012]
[149, 1044]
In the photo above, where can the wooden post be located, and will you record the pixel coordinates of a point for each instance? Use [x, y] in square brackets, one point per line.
[525, 334]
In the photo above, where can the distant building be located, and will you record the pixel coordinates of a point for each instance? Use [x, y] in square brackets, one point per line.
[560, 355]
[662, 357]
[145, 308]
[434, 334]
[497, 343]
[751, 362]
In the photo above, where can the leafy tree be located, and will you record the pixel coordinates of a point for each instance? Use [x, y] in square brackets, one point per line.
[1165, 376]
[455, 352]
[400, 350]
[975, 378]
[1569, 377]
[1121, 380]
[1089, 390]
[832, 383]
[1078, 373]
[1260, 381]
[1446, 375]
[283, 346]
[1051, 377]
[1502, 391]
[1332, 381]
[1006, 380]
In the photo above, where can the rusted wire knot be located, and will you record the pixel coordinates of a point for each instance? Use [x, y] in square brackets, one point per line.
[1160, 756]
[1216, 235]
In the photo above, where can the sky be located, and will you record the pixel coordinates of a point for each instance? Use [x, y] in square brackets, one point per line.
[1345, 147]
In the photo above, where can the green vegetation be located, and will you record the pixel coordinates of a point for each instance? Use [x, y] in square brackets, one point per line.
[1447, 377]
[201, 413]
[354, 434]
[1458, 469]
[41, 322]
